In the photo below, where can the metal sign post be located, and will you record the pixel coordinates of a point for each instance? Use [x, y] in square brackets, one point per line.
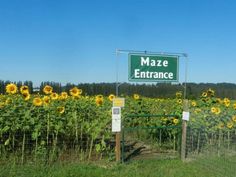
[155, 67]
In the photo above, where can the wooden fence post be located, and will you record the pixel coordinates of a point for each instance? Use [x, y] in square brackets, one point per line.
[184, 131]
[117, 146]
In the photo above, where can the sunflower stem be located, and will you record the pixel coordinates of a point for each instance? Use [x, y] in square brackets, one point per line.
[48, 128]
[36, 147]
[174, 141]
[76, 129]
[23, 148]
[54, 145]
[91, 148]
[160, 137]
[81, 137]
[198, 143]
[13, 143]
[219, 143]
[228, 139]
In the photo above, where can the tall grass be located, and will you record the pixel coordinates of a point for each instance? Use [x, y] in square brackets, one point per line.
[203, 167]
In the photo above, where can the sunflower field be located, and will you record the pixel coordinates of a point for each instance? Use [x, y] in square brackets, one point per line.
[72, 126]
[212, 128]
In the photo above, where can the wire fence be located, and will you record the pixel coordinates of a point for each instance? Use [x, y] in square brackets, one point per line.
[217, 143]
[153, 143]
[213, 150]
[147, 136]
[49, 147]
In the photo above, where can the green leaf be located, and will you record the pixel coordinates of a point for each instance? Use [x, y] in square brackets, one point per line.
[34, 135]
[7, 142]
[98, 147]
[5, 129]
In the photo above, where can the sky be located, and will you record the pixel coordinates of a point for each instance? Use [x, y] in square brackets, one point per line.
[76, 40]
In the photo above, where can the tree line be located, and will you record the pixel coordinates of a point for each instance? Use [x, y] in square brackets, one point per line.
[160, 90]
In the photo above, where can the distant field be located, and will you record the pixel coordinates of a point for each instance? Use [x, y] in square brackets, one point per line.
[214, 167]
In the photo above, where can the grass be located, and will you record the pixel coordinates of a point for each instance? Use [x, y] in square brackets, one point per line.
[208, 167]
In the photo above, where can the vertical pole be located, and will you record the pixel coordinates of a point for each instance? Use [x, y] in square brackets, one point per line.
[117, 94]
[186, 109]
[186, 71]
[117, 146]
[184, 132]
[123, 145]
[117, 70]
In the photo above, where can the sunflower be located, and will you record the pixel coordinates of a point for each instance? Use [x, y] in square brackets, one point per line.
[221, 125]
[226, 102]
[206, 99]
[63, 96]
[136, 96]
[47, 89]
[218, 111]
[26, 96]
[46, 100]
[197, 111]
[164, 120]
[210, 92]
[178, 94]
[75, 92]
[54, 96]
[234, 105]
[175, 121]
[11, 88]
[179, 101]
[61, 109]
[194, 103]
[24, 89]
[99, 100]
[204, 94]
[99, 97]
[234, 118]
[218, 100]
[37, 101]
[230, 125]
[111, 97]
[213, 109]
[8, 101]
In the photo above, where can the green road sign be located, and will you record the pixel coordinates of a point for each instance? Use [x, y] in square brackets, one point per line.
[153, 68]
